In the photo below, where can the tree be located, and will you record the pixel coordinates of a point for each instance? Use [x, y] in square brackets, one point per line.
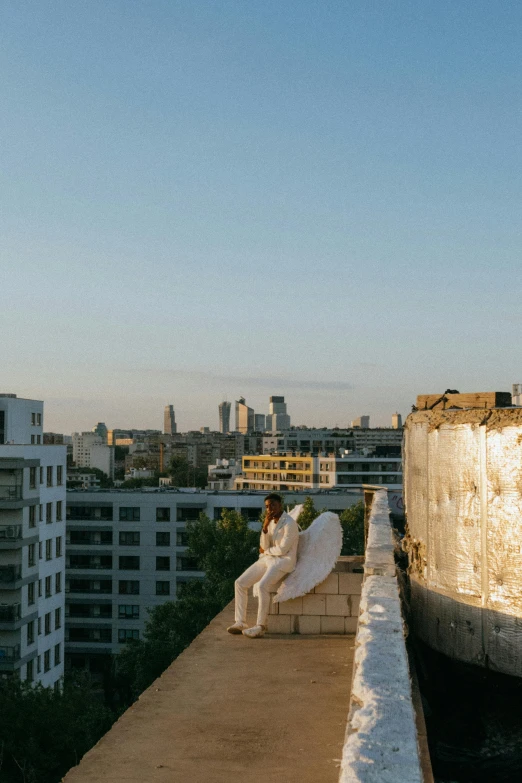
[44, 731]
[186, 475]
[308, 514]
[352, 521]
[223, 548]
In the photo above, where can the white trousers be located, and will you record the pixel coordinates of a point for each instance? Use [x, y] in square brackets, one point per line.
[268, 573]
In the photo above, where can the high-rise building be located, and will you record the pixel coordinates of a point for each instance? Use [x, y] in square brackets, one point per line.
[32, 545]
[362, 423]
[169, 421]
[101, 430]
[90, 451]
[245, 417]
[396, 421]
[260, 422]
[224, 416]
[516, 394]
[277, 419]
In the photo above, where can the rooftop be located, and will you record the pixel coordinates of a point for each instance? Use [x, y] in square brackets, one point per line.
[269, 709]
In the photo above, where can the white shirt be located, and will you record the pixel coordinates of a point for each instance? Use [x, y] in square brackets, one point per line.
[280, 541]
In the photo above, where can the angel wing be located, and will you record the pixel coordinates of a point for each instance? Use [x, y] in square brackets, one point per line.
[319, 547]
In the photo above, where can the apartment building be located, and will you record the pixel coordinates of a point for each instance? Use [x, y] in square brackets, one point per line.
[127, 552]
[32, 544]
[287, 471]
[315, 441]
[91, 451]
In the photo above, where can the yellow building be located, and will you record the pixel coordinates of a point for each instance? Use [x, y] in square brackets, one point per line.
[278, 472]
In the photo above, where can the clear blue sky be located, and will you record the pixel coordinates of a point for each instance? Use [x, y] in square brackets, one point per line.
[205, 199]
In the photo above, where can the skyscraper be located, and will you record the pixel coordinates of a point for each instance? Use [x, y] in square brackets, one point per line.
[278, 418]
[396, 421]
[224, 416]
[245, 417]
[169, 421]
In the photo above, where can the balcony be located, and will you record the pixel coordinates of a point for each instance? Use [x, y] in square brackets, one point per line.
[9, 575]
[10, 613]
[9, 656]
[10, 533]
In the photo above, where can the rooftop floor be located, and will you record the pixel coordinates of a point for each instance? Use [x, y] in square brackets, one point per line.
[228, 708]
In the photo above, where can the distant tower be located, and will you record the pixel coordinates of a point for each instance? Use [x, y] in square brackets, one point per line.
[277, 419]
[397, 421]
[101, 430]
[224, 416]
[169, 421]
[260, 422]
[516, 395]
[245, 417]
[362, 423]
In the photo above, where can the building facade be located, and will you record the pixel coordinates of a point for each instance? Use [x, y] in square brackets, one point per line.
[277, 418]
[90, 451]
[245, 417]
[169, 420]
[32, 549]
[224, 417]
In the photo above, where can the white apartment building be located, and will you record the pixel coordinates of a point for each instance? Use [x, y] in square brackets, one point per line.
[32, 547]
[126, 553]
[90, 451]
[222, 475]
[315, 441]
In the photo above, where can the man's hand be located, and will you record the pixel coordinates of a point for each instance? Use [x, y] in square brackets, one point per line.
[261, 550]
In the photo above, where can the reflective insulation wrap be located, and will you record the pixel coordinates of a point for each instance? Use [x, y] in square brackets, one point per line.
[463, 498]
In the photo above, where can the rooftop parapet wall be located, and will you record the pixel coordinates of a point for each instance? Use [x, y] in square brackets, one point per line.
[381, 744]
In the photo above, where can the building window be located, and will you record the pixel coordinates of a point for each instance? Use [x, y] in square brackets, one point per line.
[129, 563]
[48, 623]
[29, 671]
[129, 538]
[181, 538]
[186, 563]
[40, 549]
[30, 632]
[47, 660]
[58, 582]
[129, 587]
[57, 657]
[163, 515]
[59, 511]
[59, 475]
[38, 439]
[33, 440]
[48, 513]
[39, 621]
[39, 588]
[40, 512]
[30, 594]
[128, 634]
[186, 514]
[32, 478]
[32, 516]
[48, 586]
[128, 612]
[49, 475]
[31, 555]
[162, 539]
[58, 546]
[162, 588]
[129, 514]
[163, 564]
[38, 419]
[49, 549]
[41, 475]
[33, 419]
[57, 618]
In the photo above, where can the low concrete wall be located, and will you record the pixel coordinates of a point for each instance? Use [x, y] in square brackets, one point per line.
[381, 744]
[331, 607]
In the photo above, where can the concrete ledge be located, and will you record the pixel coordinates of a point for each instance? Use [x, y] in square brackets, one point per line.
[381, 743]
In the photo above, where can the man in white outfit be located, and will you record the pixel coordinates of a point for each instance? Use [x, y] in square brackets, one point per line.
[277, 558]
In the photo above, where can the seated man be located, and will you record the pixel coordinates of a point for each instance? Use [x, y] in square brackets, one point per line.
[277, 558]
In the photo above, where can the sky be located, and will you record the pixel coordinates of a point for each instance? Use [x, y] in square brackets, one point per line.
[202, 200]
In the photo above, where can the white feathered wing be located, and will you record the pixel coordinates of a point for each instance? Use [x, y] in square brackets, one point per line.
[319, 547]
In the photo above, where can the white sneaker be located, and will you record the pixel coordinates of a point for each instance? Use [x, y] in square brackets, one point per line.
[237, 628]
[255, 632]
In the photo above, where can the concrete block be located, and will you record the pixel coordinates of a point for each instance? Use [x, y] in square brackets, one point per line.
[279, 623]
[332, 624]
[309, 624]
[339, 605]
[274, 608]
[355, 600]
[314, 604]
[330, 584]
[350, 624]
[350, 584]
[294, 606]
